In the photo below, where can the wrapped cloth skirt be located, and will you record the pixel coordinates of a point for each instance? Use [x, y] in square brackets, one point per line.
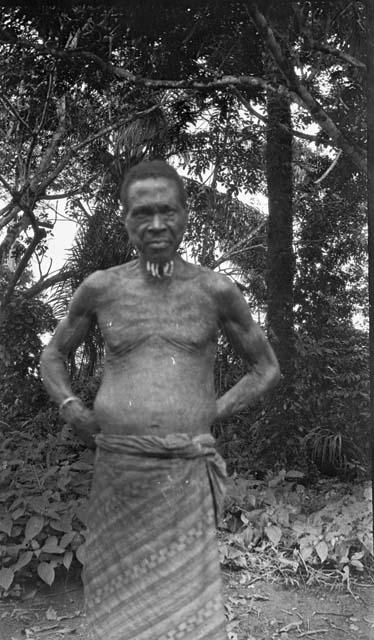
[151, 569]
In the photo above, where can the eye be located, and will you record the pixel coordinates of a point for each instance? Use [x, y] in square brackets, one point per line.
[140, 214]
[168, 213]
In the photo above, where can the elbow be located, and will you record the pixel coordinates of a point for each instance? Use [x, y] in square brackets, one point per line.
[49, 355]
[277, 373]
[44, 358]
[274, 374]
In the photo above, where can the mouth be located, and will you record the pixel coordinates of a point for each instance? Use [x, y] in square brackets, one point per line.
[158, 244]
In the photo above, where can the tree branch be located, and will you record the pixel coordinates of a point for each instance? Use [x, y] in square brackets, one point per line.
[123, 74]
[39, 235]
[8, 218]
[6, 185]
[84, 210]
[357, 156]
[51, 79]
[325, 48]
[12, 234]
[64, 161]
[46, 283]
[330, 168]
[246, 103]
[242, 245]
[10, 108]
[72, 192]
[294, 88]
[58, 134]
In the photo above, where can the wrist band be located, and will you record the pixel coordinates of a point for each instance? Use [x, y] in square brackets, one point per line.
[68, 401]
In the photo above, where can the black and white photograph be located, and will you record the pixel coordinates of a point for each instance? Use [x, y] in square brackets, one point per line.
[187, 320]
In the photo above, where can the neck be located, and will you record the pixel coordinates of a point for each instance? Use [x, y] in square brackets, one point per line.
[157, 269]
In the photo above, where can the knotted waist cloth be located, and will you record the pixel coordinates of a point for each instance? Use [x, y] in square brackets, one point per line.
[151, 569]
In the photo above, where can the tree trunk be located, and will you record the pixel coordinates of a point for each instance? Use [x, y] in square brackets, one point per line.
[370, 111]
[280, 267]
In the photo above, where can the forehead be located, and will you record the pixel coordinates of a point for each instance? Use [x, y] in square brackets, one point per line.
[152, 190]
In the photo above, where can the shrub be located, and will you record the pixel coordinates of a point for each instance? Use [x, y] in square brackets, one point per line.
[42, 505]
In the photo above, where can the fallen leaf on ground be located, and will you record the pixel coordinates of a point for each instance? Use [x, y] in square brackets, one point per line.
[290, 626]
[51, 614]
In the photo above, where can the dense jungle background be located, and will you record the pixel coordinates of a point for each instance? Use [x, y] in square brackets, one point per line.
[261, 106]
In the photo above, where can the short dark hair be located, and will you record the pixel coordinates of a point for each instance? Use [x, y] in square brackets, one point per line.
[152, 169]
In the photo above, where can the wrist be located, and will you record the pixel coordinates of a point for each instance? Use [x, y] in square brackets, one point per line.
[67, 403]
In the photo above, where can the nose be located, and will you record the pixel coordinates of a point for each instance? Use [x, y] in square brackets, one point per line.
[157, 223]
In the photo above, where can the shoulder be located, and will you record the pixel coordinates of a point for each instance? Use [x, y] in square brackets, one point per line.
[216, 284]
[231, 305]
[102, 281]
[224, 293]
[205, 276]
[88, 293]
[220, 286]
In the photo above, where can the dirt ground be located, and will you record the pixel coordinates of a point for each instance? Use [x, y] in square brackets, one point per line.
[256, 610]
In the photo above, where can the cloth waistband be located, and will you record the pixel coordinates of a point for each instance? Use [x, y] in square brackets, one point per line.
[178, 445]
[175, 445]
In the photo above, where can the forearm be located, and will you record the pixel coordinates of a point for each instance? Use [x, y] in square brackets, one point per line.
[55, 376]
[245, 392]
[74, 412]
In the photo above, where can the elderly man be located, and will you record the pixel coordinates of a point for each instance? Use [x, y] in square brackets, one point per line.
[151, 570]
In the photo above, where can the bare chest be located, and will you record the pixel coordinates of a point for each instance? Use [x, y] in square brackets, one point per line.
[181, 313]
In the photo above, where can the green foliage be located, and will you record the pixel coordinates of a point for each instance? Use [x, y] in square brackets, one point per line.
[225, 234]
[301, 532]
[331, 402]
[310, 534]
[331, 274]
[22, 324]
[45, 484]
[321, 423]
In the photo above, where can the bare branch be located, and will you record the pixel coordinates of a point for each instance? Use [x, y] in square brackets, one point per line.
[12, 234]
[58, 134]
[39, 235]
[72, 192]
[330, 168]
[338, 53]
[11, 216]
[231, 254]
[83, 209]
[64, 161]
[12, 109]
[5, 209]
[38, 129]
[51, 79]
[39, 261]
[242, 245]
[46, 283]
[247, 104]
[123, 74]
[6, 185]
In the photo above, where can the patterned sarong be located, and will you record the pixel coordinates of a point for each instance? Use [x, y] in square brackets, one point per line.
[152, 570]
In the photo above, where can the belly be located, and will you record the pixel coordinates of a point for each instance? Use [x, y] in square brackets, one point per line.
[157, 392]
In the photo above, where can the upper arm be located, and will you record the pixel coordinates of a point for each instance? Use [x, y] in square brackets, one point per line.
[245, 335]
[72, 330]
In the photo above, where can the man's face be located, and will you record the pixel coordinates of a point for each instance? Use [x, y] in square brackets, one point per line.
[155, 219]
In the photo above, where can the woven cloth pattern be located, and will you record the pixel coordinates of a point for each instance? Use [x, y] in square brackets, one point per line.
[151, 569]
